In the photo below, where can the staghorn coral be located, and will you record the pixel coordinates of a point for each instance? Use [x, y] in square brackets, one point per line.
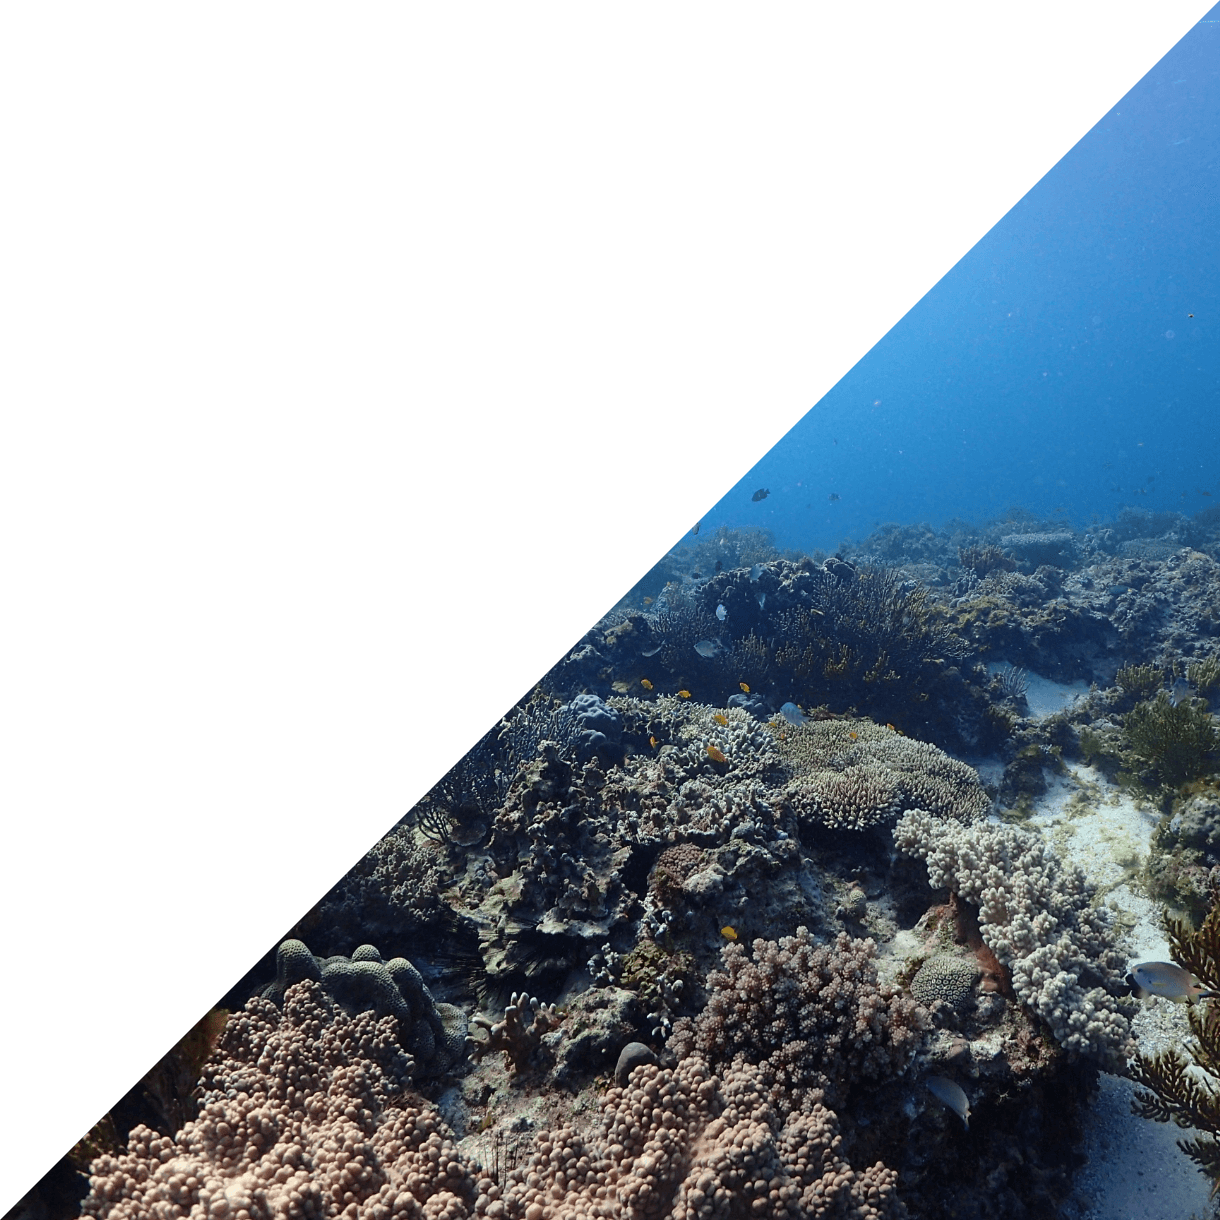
[812, 1017]
[433, 1033]
[1036, 917]
[685, 1143]
[302, 1113]
[854, 774]
[518, 1033]
[1178, 741]
[1185, 1090]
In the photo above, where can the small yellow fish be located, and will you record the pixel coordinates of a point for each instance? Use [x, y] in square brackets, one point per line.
[890, 727]
[684, 694]
[716, 755]
[728, 932]
[652, 741]
[854, 735]
[745, 686]
[720, 718]
[645, 684]
[648, 601]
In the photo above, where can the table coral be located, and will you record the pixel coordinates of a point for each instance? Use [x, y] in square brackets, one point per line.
[1036, 916]
[853, 774]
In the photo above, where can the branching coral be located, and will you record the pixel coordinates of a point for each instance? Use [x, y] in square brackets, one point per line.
[985, 557]
[685, 1143]
[812, 1017]
[1037, 917]
[1140, 680]
[1179, 741]
[303, 1114]
[518, 1033]
[1183, 1090]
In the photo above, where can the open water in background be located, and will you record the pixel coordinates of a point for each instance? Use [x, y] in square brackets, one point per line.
[1068, 365]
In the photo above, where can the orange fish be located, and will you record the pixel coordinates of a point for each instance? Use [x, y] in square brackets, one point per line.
[720, 718]
[744, 686]
[652, 741]
[853, 735]
[648, 601]
[728, 933]
[890, 727]
[716, 755]
[645, 684]
[684, 694]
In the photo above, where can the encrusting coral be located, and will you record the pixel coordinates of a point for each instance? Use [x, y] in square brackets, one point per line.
[1181, 1089]
[812, 1017]
[1036, 917]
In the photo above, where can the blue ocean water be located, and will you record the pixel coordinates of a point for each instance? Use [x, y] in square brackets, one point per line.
[1069, 365]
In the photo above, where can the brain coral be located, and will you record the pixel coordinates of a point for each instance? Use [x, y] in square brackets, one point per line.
[435, 1034]
[854, 774]
[944, 978]
[1037, 917]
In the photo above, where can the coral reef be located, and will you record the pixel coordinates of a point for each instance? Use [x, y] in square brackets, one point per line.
[812, 1017]
[1035, 915]
[302, 1113]
[687, 1142]
[433, 1033]
[854, 774]
[518, 1033]
[1179, 741]
[945, 980]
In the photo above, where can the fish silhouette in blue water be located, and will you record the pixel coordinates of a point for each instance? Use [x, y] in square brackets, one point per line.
[834, 497]
[761, 494]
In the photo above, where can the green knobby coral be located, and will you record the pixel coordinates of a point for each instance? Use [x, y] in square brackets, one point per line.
[1173, 1090]
[1139, 680]
[1178, 741]
[1205, 675]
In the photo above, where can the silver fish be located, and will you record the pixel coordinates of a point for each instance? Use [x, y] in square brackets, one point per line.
[755, 572]
[952, 1095]
[651, 652]
[762, 600]
[792, 714]
[1180, 690]
[1168, 981]
[709, 648]
[721, 612]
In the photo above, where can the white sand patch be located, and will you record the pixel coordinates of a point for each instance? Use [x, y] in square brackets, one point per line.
[1135, 1169]
[1045, 697]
